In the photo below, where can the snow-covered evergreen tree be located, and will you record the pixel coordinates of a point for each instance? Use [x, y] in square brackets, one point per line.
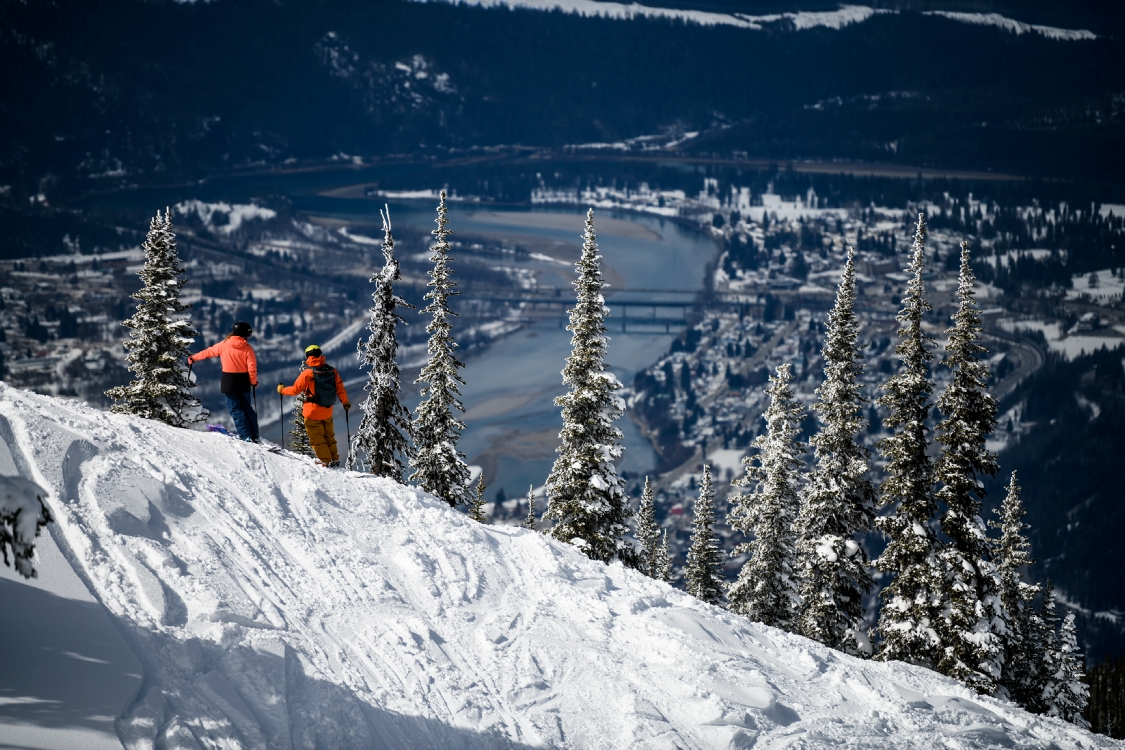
[972, 626]
[529, 522]
[838, 501]
[1011, 554]
[159, 337]
[439, 468]
[1043, 651]
[381, 444]
[766, 589]
[1067, 694]
[298, 438]
[664, 561]
[585, 496]
[648, 535]
[913, 601]
[704, 571]
[1059, 691]
[476, 505]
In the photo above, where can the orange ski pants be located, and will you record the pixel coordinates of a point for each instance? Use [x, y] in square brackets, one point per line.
[322, 438]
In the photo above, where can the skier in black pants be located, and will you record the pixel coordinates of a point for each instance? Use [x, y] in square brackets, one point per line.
[240, 376]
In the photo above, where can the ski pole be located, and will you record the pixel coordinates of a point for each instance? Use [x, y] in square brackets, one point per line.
[190, 365]
[348, 425]
[281, 416]
[254, 392]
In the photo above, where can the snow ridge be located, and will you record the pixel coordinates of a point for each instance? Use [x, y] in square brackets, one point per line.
[1015, 27]
[845, 15]
[836, 19]
[274, 603]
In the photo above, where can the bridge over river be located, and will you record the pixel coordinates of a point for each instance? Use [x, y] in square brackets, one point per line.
[640, 311]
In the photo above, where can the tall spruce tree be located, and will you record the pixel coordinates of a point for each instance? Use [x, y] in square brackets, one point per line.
[1012, 554]
[838, 502]
[704, 571]
[974, 621]
[1059, 690]
[381, 444]
[585, 496]
[439, 468]
[298, 441]
[913, 600]
[664, 561]
[766, 589]
[1043, 652]
[159, 336]
[1067, 693]
[529, 522]
[648, 534]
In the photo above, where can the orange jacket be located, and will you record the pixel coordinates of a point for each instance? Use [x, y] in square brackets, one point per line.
[237, 357]
[304, 384]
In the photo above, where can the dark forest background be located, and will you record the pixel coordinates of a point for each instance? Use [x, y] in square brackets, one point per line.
[137, 91]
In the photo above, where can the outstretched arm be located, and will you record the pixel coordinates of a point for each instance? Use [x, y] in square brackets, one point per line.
[208, 353]
[300, 385]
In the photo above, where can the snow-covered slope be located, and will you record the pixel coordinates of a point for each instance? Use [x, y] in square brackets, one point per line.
[275, 604]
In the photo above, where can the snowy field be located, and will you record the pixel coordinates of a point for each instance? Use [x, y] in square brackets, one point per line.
[272, 603]
[1071, 346]
[1100, 286]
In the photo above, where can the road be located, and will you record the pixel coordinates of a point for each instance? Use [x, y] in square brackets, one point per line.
[1030, 358]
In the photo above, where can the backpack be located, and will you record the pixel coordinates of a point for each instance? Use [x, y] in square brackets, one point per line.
[324, 382]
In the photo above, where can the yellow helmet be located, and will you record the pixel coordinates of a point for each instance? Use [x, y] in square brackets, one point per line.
[312, 350]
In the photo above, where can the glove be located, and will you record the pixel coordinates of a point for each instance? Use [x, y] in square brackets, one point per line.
[253, 385]
[347, 406]
[190, 361]
[280, 387]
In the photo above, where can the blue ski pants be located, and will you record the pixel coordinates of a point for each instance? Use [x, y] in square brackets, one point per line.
[245, 418]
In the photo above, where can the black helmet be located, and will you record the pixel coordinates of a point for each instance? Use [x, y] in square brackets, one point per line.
[243, 329]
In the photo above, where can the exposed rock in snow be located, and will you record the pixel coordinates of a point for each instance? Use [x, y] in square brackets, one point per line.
[273, 603]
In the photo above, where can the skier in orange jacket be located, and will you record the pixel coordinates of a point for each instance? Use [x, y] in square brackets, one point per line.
[321, 385]
[240, 376]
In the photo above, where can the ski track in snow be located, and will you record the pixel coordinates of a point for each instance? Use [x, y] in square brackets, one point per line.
[276, 604]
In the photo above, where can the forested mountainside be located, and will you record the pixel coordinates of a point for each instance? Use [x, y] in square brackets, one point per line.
[1101, 17]
[109, 92]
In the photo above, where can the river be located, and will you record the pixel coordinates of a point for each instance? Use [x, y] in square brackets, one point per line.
[510, 387]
